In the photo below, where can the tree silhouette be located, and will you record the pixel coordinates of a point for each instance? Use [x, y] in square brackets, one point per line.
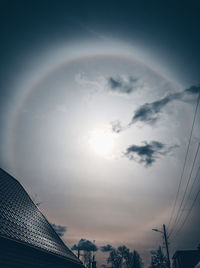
[134, 260]
[87, 247]
[114, 259]
[158, 259]
[87, 258]
[123, 253]
[123, 258]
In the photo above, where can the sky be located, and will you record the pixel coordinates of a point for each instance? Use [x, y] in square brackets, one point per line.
[97, 102]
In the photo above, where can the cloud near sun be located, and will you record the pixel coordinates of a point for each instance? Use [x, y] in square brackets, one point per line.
[147, 153]
[121, 84]
[124, 85]
[149, 114]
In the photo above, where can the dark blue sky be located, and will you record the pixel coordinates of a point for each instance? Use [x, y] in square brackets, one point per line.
[169, 28]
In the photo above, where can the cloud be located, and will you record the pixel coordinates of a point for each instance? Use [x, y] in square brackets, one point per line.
[86, 245]
[60, 230]
[106, 248]
[119, 84]
[149, 112]
[148, 153]
[193, 90]
[116, 126]
[122, 85]
[82, 80]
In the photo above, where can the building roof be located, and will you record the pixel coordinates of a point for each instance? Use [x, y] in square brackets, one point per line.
[186, 253]
[187, 258]
[22, 221]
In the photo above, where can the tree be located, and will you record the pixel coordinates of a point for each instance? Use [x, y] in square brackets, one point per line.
[87, 247]
[87, 257]
[134, 260]
[123, 253]
[123, 258]
[114, 259]
[106, 248]
[158, 260]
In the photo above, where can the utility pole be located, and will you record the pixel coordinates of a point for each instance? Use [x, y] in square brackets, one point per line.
[166, 244]
[94, 264]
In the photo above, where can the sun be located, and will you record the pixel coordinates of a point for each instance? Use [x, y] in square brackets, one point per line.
[101, 141]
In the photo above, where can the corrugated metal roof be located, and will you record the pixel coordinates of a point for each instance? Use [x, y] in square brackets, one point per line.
[21, 220]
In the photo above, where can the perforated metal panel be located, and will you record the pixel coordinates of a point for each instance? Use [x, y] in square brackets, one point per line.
[22, 221]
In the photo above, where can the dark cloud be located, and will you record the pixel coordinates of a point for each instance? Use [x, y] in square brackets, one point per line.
[86, 245]
[147, 153]
[193, 90]
[149, 112]
[60, 230]
[106, 248]
[121, 85]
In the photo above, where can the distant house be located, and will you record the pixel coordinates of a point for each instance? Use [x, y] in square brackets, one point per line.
[186, 258]
[27, 239]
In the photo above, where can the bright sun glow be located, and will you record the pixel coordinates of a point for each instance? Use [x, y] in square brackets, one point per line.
[101, 141]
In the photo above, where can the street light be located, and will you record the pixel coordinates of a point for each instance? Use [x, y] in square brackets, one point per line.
[156, 230]
[166, 242]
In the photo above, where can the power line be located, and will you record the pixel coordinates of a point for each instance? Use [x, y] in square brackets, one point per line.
[191, 188]
[179, 212]
[189, 212]
[185, 160]
[197, 173]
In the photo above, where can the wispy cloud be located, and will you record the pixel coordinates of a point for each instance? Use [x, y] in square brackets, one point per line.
[122, 85]
[149, 112]
[83, 80]
[106, 248]
[193, 90]
[60, 230]
[148, 152]
[116, 126]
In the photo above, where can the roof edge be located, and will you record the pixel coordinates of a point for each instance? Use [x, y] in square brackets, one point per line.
[42, 250]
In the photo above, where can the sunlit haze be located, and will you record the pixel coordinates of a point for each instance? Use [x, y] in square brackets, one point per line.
[101, 141]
